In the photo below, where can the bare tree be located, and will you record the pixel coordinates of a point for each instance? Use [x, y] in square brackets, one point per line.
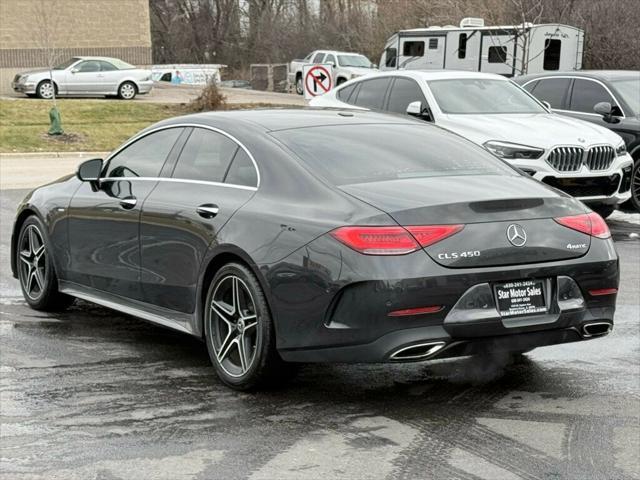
[48, 18]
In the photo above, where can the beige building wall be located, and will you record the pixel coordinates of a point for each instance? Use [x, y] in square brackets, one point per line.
[113, 28]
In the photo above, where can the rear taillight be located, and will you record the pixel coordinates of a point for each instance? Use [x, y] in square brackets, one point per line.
[589, 223]
[430, 234]
[393, 240]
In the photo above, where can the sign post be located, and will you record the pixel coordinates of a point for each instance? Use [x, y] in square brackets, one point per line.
[317, 80]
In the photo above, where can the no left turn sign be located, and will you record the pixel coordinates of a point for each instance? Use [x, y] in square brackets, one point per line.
[317, 80]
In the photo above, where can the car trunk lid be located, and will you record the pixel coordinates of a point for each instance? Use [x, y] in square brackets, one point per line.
[512, 224]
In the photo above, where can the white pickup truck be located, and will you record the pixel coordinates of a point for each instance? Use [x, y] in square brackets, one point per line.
[345, 66]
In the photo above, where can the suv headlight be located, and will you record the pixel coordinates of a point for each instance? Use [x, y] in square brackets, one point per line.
[513, 151]
[621, 149]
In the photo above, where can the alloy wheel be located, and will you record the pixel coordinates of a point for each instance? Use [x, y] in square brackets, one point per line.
[233, 322]
[46, 90]
[635, 185]
[33, 265]
[127, 91]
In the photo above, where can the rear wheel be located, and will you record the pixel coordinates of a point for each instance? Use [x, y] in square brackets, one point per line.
[36, 273]
[127, 91]
[340, 81]
[239, 331]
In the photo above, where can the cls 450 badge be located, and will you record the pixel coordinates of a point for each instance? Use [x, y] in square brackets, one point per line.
[454, 255]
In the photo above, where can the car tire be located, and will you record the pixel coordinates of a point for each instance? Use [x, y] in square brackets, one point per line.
[635, 186]
[46, 90]
[36, 272]
[239, 331]
[127, 91]
[299, 88]
[604, 210]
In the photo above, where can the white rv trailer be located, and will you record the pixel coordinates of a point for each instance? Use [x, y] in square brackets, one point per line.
[507, 50]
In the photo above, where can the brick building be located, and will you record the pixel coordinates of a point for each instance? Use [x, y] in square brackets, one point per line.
[113, 28]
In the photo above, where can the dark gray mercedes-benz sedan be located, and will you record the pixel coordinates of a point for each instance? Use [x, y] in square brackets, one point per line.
[319, 236]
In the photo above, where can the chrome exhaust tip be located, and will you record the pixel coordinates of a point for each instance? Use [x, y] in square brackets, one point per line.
[596, 329]
[418, 351]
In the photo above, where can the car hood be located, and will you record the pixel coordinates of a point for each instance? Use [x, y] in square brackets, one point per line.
[543, 130]
[359, 71]
[36, 71]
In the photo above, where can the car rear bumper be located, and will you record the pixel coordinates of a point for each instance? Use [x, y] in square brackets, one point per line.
[319, 322]
[145, 86]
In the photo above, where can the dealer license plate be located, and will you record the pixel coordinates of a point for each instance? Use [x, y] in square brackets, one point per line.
[522, 297]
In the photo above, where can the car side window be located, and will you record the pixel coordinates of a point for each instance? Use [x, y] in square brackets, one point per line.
[242, 171]
[391, 57]
[585, 95]
[552, 90]
[371, 94]
[206, 156]
[403, 92]
[107, 67]
[144, 157]
[88, 66]
[530, 86]
[331, 59]
[344, 93]
[318, 58]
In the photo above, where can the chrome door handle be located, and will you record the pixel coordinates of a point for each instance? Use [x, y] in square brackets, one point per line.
[208, 210]
[128, 202]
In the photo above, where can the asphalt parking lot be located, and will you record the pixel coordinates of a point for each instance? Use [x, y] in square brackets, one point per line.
[93, 394]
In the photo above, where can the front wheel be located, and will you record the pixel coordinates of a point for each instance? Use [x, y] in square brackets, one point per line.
[36, 273]
[635, 185]
[45, 90]
[239, 331]
[299, 89]
[127, 91]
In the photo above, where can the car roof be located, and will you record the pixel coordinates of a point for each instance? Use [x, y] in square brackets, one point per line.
[88, 57]
[266, 120]
[338, 52]
[438, 74]
[597, 74]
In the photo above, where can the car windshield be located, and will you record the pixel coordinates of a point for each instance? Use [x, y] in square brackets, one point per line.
[482, 95]
[67, 64]
[629, 90]
[354, 61]
[365, 153]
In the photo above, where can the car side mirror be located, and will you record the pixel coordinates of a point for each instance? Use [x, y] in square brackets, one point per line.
[606, 110]
[74, 70]
[90, 170]
[374, 65]
[415, 109]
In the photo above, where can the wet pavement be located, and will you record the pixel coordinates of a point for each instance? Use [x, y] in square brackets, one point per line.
[93, 394]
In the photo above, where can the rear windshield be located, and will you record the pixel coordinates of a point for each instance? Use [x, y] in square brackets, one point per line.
[349, 154]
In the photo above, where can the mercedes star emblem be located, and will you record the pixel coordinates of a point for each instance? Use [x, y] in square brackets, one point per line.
[516, 235]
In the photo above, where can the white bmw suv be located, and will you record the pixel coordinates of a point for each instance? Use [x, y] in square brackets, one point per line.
[584, 160]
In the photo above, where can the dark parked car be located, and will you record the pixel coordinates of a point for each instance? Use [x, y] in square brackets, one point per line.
[319, 236]
[610, 98]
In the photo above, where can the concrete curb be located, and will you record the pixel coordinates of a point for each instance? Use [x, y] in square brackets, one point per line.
[52, 155]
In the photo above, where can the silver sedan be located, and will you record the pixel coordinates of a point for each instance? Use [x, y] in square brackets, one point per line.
[85, 76]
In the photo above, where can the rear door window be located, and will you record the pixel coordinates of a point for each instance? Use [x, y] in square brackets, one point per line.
[585, 95]
[552, 90]
[403, 92]
[242, 171]
[372, 93]
[206, 156]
